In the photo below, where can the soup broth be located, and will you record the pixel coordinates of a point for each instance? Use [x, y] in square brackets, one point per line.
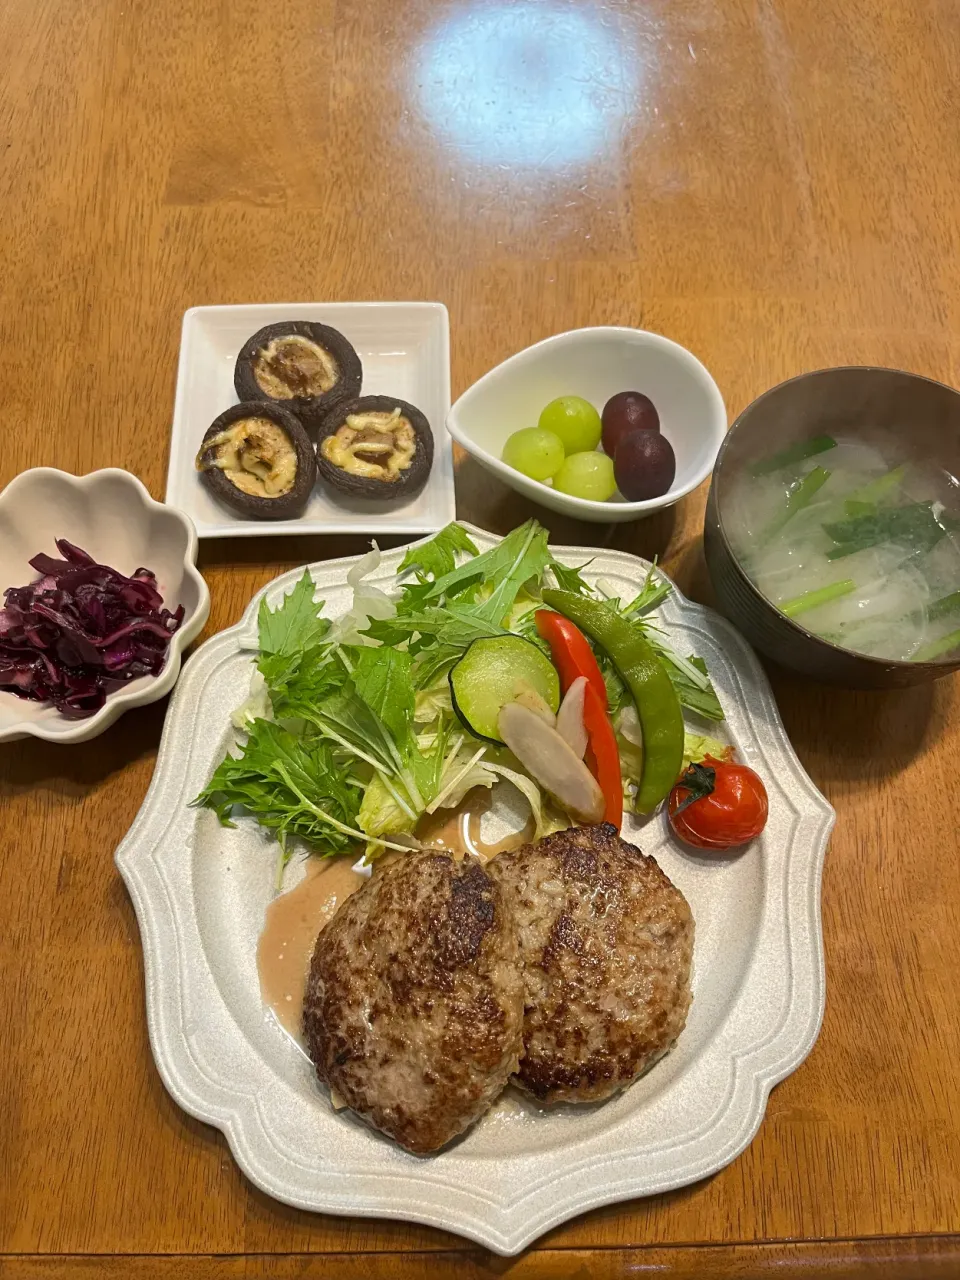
[857, 545]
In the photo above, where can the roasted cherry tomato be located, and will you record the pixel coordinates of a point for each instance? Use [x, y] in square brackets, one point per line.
[718, 805]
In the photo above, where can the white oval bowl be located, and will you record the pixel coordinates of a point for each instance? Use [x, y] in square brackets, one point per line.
[595, 363]
[111, 515]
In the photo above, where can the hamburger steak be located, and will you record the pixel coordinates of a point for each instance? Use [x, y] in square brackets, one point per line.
[606, 943]
[413, 1010]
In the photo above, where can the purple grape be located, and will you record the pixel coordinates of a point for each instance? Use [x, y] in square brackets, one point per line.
[625, 412]
[644, 465]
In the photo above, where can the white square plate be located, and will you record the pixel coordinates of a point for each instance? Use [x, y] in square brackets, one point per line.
[405, 351]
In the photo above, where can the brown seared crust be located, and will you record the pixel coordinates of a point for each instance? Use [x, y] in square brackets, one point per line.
[414, 1001]
[409, 482]
[288, 505]
[606, 942]
[308, 409]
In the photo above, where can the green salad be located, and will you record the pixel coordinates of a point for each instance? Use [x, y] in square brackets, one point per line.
[350, 734]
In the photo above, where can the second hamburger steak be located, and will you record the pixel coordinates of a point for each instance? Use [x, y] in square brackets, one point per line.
[606, 943]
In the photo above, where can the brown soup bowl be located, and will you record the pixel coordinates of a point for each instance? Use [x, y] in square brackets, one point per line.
[863, 403]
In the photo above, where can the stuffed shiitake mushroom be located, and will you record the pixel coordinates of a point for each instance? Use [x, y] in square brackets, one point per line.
[375, 447]
[301, 366]
[257, 459]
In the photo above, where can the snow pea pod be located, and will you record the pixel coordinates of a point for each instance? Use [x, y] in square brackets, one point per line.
[650, 687]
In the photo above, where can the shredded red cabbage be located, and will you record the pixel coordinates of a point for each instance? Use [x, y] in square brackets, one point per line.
[81, 631]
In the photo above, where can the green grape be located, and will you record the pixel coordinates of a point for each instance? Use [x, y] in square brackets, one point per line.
[575, 421]
[537, 453]
[587, 475]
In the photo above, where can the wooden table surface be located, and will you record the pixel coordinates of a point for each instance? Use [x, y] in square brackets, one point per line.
[772, 183]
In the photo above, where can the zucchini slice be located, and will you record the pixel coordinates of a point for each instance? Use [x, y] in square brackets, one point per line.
[494, 672]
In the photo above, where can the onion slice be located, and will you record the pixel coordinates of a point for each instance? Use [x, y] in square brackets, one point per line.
[550, 760]
[528, 697]
[570, 724]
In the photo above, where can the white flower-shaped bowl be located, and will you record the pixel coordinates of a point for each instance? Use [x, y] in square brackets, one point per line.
[110, 515]
[595, 363]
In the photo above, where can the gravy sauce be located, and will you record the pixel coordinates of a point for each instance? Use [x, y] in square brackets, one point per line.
[292, 923]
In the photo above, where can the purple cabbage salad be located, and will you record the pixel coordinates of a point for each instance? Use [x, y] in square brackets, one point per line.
[80, 631]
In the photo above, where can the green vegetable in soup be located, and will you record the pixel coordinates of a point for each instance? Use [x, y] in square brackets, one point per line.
[914, 526]
[813, 599]
[798, 452]
[800, 494]
[937, 648]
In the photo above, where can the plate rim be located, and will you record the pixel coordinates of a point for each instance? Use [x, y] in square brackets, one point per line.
[420, 1194]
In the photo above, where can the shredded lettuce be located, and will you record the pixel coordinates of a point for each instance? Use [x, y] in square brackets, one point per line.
[522, 618]
[696, 747]
[460, 776]
[379, 813]
[546, 819]
[433, 703]
[256, 705]
[630, 742]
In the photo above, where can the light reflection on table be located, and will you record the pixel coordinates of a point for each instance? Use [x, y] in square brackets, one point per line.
[529, 86]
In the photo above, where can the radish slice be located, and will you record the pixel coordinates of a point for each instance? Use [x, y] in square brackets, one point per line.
[551, 762]
[570, 724]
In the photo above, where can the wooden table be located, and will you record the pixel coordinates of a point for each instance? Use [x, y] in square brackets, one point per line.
[772, 183]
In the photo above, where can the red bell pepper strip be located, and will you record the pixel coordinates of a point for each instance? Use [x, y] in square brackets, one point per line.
[571, 652]
[573, 657]
[603, 756]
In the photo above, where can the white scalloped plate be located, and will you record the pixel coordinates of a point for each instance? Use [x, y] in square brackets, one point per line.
[200, 892]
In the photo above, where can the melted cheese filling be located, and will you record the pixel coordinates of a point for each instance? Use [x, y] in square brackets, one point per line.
[292, 366]
[255, 455]
[373, 446]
